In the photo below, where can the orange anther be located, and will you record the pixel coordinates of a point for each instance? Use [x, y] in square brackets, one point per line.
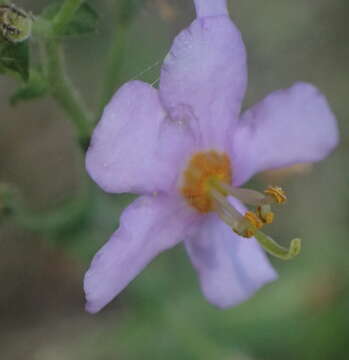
[276, 193]
[266, 217]
[253, 219]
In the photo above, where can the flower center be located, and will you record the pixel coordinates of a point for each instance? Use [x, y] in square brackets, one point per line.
[206, 185]
[204, 171]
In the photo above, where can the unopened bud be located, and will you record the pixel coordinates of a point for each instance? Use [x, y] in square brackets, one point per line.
[15, 24]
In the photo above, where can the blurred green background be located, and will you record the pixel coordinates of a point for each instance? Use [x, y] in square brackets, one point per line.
[162, 314]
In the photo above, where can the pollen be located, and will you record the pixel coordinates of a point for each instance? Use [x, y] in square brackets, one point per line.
[266, 216]
[205, 170]
[248, 225]
[254, 220]
[276, 193]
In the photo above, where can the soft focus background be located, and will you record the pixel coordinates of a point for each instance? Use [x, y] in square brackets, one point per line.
[162, 314]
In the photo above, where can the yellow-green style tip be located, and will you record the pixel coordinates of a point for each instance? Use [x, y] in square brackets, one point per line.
[273, 248]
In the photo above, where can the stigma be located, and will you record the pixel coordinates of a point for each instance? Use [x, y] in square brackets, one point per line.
[206, 186]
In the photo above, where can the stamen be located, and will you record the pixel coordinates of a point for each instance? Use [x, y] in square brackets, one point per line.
[247, 196]
[276, 193]
[253, 219]
[273, 248]
[245, 226]
[263, 202]
[223, 205]
[206, 186]
[225, 218]
[249, 225]
[265, 214]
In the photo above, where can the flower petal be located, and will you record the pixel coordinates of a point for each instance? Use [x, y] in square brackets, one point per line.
[148, 226]
[211, 8]
[127, 148]
[289, 126]
[205, 72]
[230, 268]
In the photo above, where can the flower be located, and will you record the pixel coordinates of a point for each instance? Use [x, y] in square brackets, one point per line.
[185, 149]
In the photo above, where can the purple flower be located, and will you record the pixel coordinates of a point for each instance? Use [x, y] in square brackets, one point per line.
[185, 149]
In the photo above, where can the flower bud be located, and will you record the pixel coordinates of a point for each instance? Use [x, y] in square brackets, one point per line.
[15, 24]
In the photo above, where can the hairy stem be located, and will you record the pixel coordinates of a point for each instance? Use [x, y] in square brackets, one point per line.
[113, 65]
[70, 213]
[125, 10]
[59, 83]
[64, 92]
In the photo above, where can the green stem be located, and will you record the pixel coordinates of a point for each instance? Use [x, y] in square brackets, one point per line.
[113, 66]
[64, 92]
[125, 10]
[65, 15]
[52, 221]
[55, 220]
[59, 83]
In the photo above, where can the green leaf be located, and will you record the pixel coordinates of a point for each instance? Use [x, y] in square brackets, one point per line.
[34, 88]
[14, 59]
[84, 21]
